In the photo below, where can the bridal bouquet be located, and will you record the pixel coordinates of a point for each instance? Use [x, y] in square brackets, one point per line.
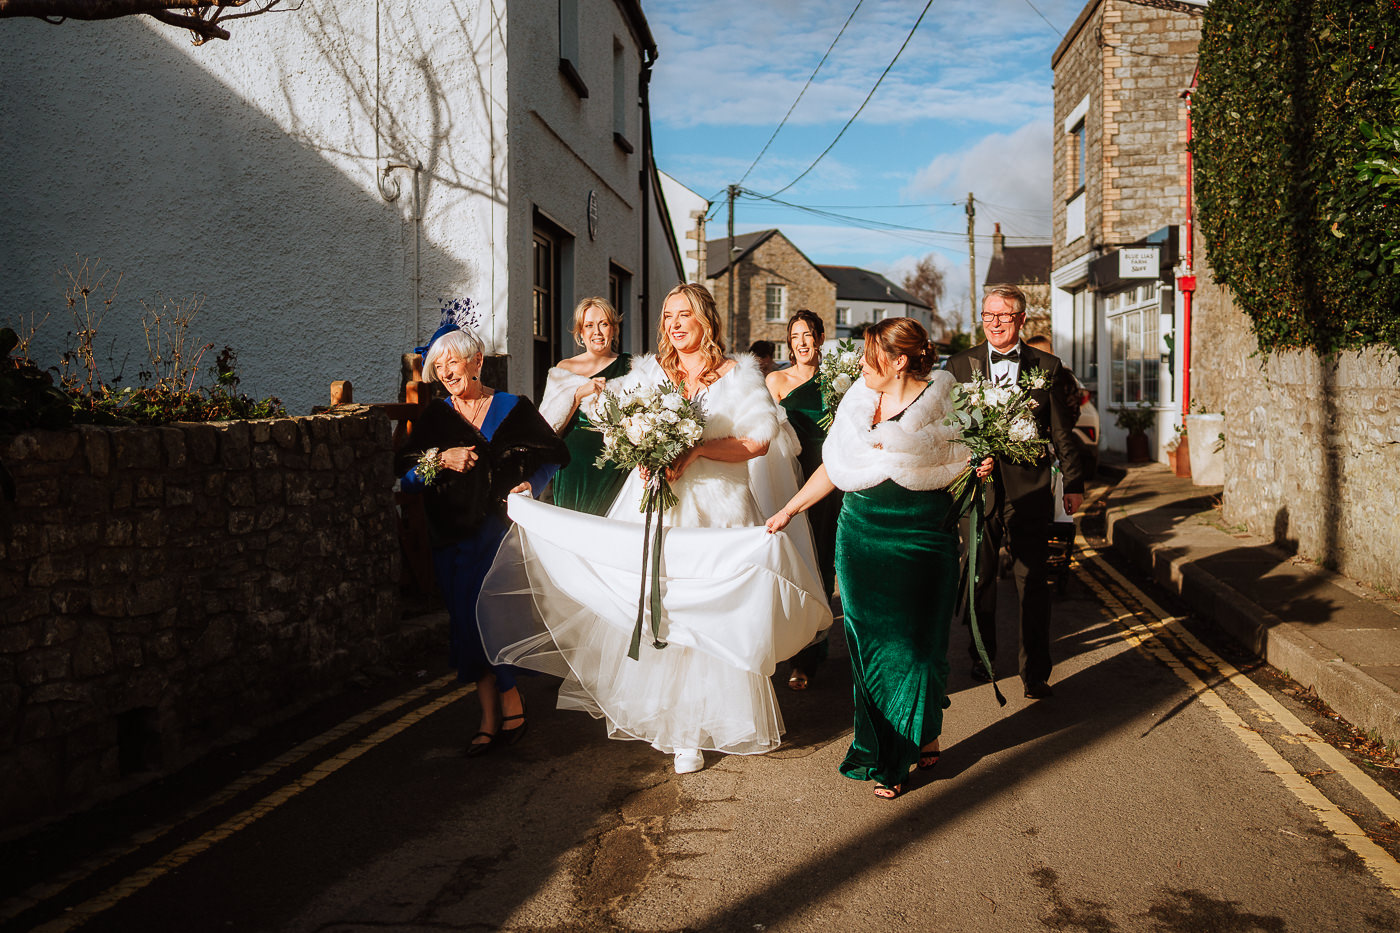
[648, 427]
[996, 420]
[836, 374]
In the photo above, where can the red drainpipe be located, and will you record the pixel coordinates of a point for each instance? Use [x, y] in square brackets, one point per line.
[1186, 283]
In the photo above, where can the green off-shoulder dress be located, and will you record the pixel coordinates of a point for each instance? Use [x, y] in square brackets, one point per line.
[897, 563]
[581, 486]
[805, 411]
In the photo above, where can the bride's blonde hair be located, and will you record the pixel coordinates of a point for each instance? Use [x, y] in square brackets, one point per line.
[702, 305]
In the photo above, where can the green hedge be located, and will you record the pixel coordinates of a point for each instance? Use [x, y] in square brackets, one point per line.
[1286, 118]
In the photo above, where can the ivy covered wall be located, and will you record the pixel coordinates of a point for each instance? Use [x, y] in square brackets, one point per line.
[1298, 167]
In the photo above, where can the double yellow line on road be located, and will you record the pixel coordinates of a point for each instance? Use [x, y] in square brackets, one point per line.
[1148, 636]
[79, 914]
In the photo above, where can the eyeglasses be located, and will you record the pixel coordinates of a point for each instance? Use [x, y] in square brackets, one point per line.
[1000, 318]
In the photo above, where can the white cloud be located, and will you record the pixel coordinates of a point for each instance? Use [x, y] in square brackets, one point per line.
[1010, 172]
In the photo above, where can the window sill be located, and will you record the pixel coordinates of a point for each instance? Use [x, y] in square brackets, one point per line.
[622, 143]
[567, 69]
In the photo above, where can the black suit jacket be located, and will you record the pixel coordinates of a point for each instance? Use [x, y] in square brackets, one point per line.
[1025, 484]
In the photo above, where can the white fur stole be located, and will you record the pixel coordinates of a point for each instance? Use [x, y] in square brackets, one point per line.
[918, 451]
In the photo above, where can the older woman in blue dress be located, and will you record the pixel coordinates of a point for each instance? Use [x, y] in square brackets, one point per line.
[466, 454]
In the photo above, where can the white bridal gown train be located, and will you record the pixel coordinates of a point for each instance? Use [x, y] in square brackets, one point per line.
[562, 594]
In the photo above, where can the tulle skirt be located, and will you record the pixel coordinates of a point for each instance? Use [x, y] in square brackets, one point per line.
[562, 598]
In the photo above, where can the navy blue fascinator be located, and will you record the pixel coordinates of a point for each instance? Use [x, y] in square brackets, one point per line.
[457, 314]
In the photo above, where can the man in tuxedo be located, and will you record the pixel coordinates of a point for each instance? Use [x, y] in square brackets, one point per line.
[1019, 504]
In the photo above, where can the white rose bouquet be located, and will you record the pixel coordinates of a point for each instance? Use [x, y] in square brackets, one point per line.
[648, 427]
[836, 374]
[997, 420]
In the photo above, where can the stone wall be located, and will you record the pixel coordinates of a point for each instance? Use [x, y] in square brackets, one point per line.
[163, 585]
[774, 262]
[1312, 445]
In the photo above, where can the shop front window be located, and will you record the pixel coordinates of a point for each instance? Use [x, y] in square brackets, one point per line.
[1135, 344]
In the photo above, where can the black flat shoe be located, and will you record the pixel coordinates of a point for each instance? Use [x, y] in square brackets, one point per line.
[1038, 690]
[475, 748]
[980, 673]
[514, 733]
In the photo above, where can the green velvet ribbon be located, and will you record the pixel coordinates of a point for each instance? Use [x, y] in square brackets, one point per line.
[655, 500]
[969, 582]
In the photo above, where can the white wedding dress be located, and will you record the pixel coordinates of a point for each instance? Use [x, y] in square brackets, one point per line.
[562, 594]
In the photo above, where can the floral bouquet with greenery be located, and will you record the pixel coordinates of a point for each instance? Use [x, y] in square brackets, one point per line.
[648, 427]
[836, 374]
[996, 420]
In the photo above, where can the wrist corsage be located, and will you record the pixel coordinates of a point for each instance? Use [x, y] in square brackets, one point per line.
[428, 465]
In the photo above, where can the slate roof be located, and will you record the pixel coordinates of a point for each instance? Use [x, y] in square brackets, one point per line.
[744, 243]
[1019, 265]
[853, 284]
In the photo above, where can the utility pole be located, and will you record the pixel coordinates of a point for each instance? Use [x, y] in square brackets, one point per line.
[971, 268]
[729, 258]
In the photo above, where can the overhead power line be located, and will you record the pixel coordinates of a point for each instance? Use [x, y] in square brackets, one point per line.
[810, 78]
[1059, 32]
[881, 225]
[863, 103]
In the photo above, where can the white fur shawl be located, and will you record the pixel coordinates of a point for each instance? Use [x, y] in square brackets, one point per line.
[918, 451]
[736, 405]
[557, 403]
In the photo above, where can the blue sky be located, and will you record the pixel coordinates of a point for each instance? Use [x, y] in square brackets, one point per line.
[966, 108]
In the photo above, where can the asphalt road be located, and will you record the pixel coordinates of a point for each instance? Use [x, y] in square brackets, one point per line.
[1158, 790]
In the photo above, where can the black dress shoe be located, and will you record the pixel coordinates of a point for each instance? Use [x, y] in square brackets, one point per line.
[1038, 690]
[980, 673]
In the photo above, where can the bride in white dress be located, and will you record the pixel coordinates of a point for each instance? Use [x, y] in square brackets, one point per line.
[562, 595]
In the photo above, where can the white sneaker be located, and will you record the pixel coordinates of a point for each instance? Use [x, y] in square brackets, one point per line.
[689, 760]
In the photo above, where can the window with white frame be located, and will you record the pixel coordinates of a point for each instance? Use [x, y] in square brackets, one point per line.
[775, 303]
[1133, 317]
[880, 314]
[843, 317]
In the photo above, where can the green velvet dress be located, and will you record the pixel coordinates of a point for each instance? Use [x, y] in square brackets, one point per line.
[805, 411]
[581, 486]
[897, 563]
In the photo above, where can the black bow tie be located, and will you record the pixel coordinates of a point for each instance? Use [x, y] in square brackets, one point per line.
[1014, 356]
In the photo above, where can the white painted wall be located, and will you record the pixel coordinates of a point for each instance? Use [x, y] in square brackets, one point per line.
[681, 201]
[249, 172]
[245, 171]
[867, 312]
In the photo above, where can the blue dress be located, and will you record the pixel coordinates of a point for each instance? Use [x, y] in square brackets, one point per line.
[461, 564]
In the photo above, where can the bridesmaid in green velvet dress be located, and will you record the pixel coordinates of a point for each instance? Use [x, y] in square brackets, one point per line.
[799, 391]
[896, 549]
[581, 486]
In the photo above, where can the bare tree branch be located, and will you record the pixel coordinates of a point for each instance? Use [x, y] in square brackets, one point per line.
[200, 17]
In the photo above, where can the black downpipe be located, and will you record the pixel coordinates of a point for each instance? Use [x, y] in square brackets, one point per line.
[644, 298]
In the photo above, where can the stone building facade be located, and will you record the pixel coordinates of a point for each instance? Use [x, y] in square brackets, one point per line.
[772, 279]
[1119, 200]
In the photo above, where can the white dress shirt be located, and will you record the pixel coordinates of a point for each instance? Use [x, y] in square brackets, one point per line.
[1005, 371]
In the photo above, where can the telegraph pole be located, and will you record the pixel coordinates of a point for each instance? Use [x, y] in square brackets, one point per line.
[971, 268]
[729, 259]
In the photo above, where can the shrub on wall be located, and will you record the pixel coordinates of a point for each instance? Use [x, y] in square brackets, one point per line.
[1292, 97]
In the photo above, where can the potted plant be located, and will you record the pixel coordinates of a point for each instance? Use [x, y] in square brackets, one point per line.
[1179, 452]
[1136, 421]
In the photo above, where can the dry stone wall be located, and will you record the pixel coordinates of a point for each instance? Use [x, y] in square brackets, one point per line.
[1312, 444]
[161, 586]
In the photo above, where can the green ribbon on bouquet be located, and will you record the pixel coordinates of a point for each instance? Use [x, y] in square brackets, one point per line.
[977, 507]
[654, 503]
